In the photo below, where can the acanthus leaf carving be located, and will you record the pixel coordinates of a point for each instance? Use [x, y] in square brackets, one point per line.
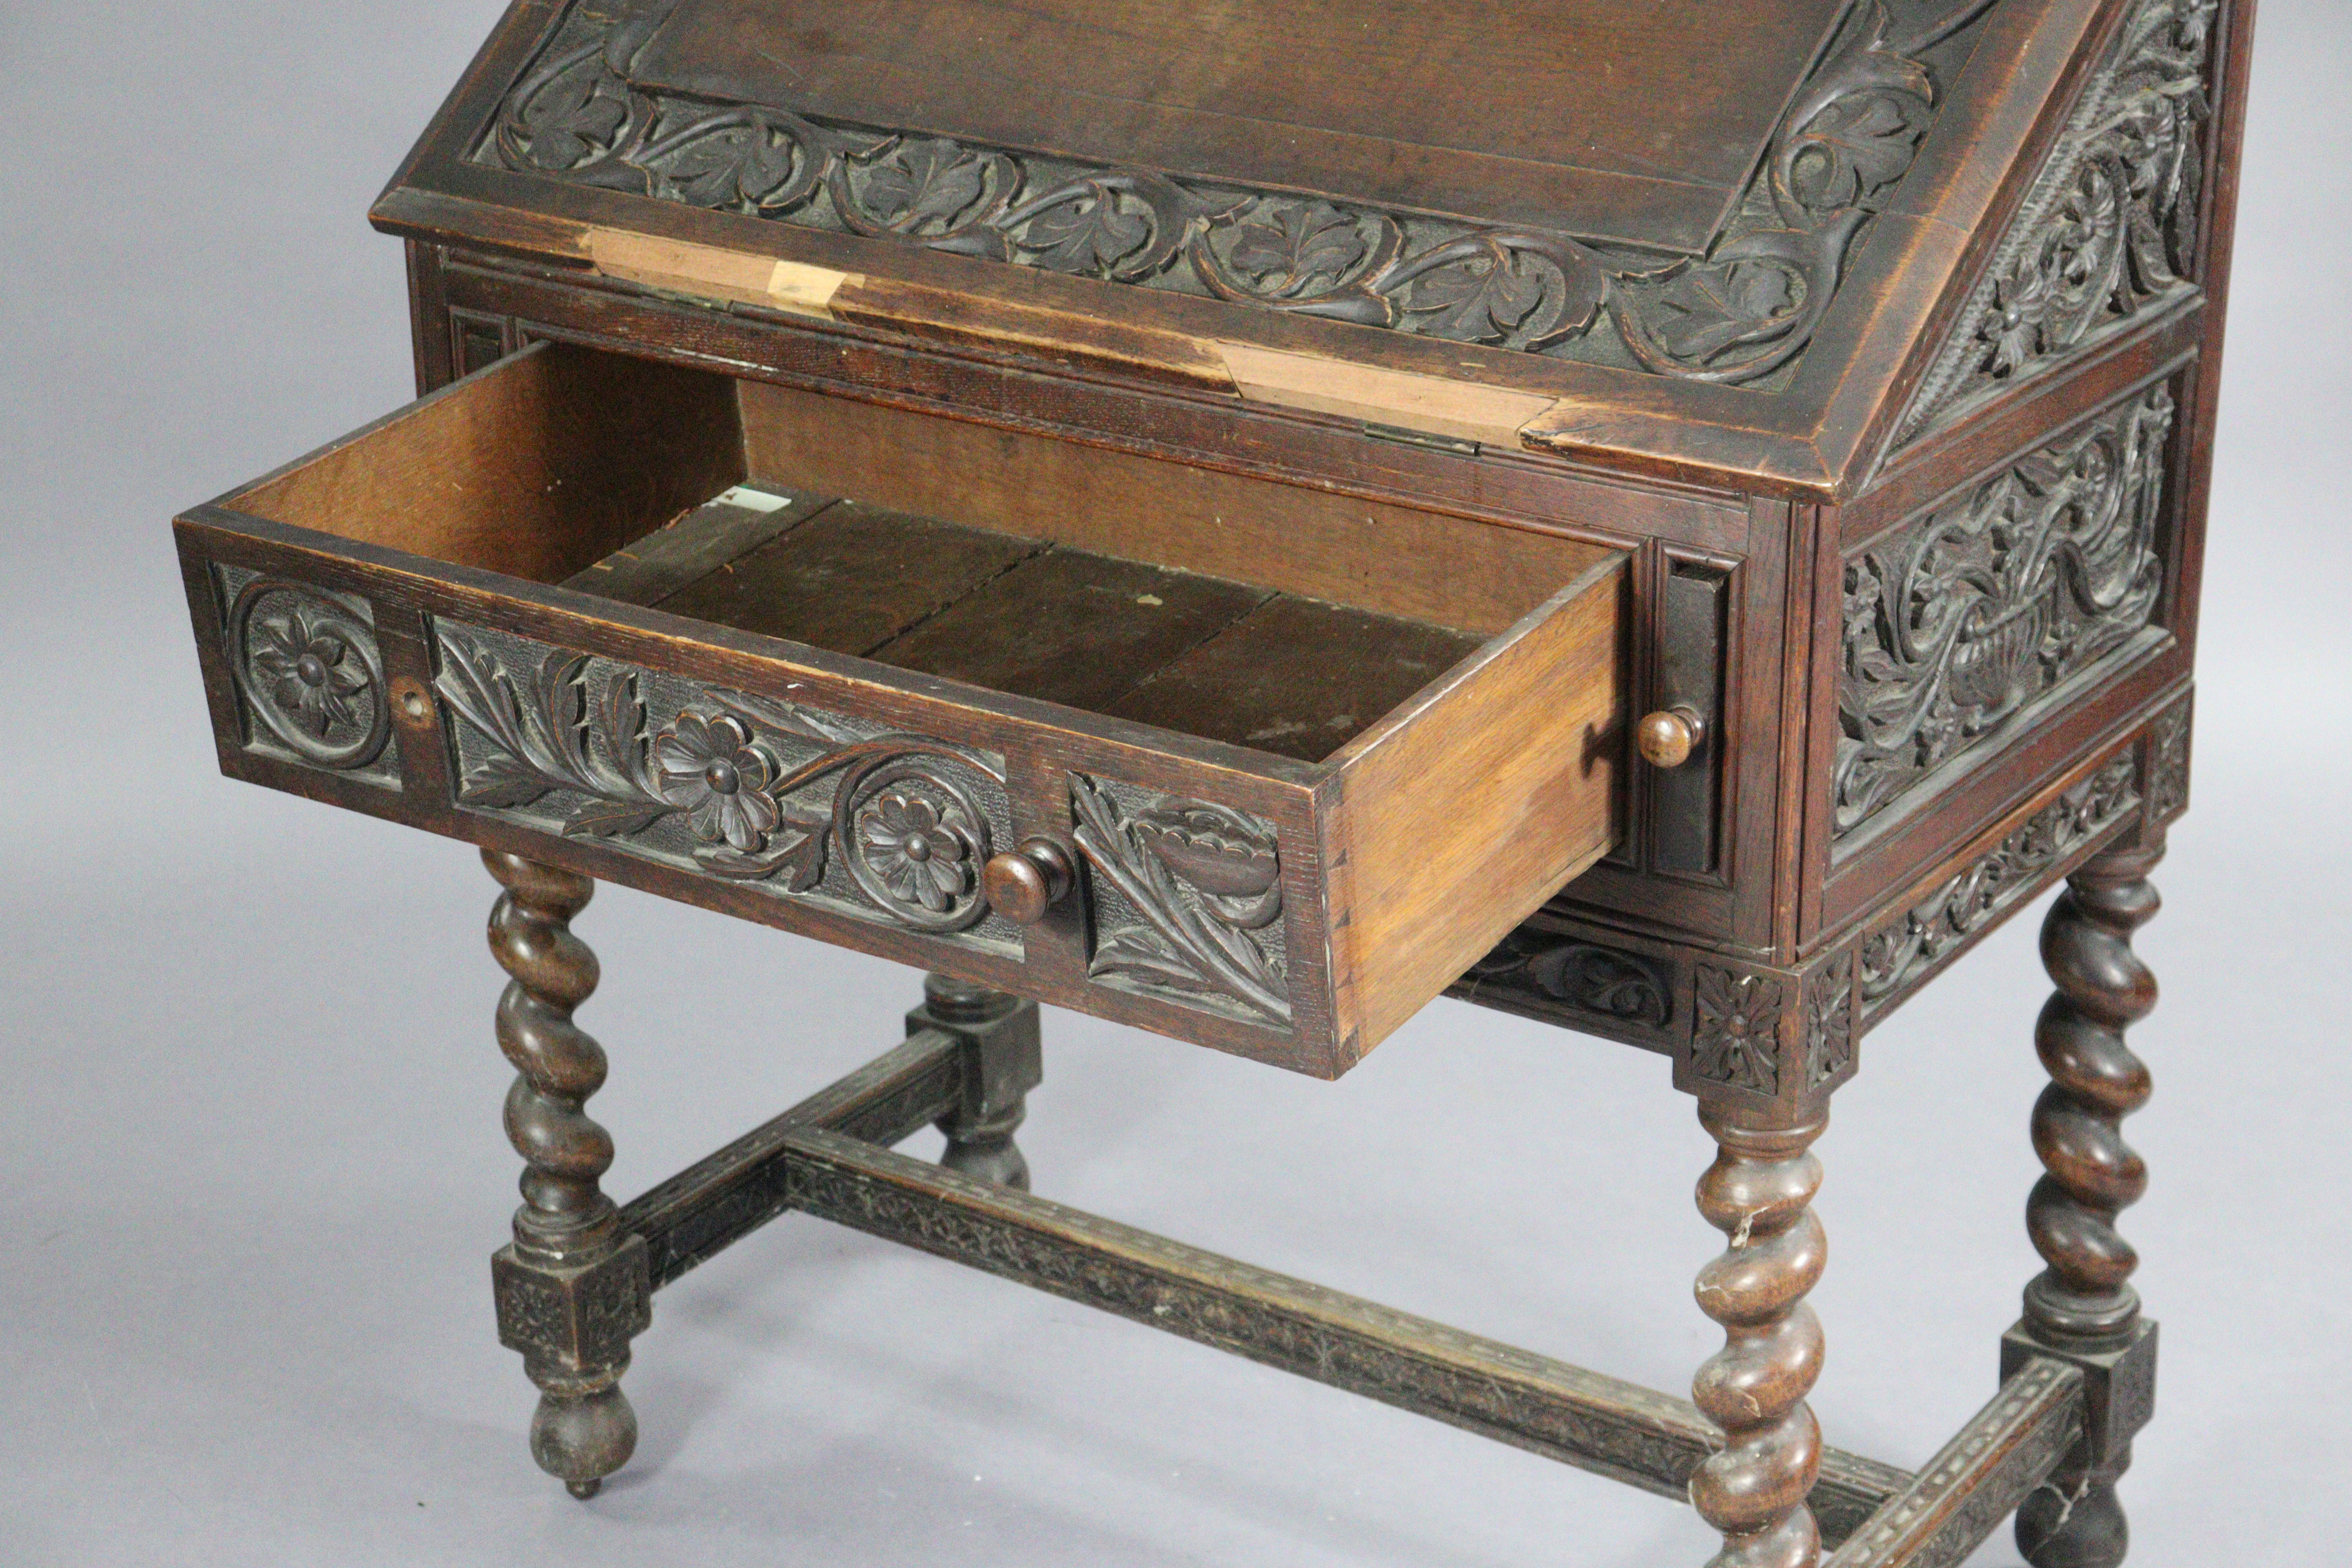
[1583, 977]
[1199, 897]
[1954, 623]
[1746, 308]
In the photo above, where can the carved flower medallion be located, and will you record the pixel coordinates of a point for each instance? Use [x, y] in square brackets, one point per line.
[922, 845]
[308, 666]
[707, 768]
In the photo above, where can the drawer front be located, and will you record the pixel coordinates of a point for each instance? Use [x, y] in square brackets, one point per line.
[785, 794]
[381, 627]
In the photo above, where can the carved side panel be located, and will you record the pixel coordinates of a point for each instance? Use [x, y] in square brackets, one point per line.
[309, 676]
[1745, 310]
[1953, 623]
[790, 799]
[1903, 952]
[2108, 232]
[1186, 898]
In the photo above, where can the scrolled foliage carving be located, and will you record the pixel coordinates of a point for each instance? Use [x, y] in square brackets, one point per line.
[905, 823]
[1742, 310]
[2109, 230]
[1902, 950]
[1583, 977]
[1200, 886]
[1954, 623]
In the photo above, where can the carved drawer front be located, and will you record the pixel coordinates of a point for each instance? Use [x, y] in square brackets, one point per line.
[1243, 762]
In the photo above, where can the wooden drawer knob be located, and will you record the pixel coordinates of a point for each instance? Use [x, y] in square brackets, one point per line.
[1022, 884]
[1668, 737]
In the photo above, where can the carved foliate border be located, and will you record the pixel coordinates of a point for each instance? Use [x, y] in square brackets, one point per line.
[2107, 234]
[1955, 622]
[1741, 313]
[787, 798]
[1900, 952]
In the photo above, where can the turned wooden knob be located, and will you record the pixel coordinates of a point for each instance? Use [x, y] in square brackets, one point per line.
[1668, 737]
[1022, 884]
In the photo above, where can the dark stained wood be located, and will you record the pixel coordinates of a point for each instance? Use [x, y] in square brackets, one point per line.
[1073, 627]
[1398, 103]
[1295, 676]
[1273, 505]
[852, 578]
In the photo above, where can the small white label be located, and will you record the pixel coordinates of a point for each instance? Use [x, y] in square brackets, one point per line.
[751, 500]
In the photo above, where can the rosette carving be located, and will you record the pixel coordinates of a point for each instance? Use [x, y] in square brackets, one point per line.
[306, 665]
[904, 823]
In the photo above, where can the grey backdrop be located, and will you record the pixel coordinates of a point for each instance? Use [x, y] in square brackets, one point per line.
[251, 1163]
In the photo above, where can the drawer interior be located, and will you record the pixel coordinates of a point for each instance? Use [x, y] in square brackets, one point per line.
[1267, 615]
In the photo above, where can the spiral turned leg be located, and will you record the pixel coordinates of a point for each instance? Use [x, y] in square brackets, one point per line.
[2083, 1304]
[572, 1290]
[1753, 1488]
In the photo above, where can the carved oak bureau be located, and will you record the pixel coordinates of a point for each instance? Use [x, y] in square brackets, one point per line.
[1668, 519]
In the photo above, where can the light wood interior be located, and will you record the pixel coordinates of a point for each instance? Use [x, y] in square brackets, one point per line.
[1475, 576]
[535, 466]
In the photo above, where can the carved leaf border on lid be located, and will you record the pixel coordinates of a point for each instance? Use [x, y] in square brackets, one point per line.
[1743, 311]
[1954, 623]
[2108, 232]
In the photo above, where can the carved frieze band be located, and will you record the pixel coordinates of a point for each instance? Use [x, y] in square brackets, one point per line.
[1187, 900]
[2108, 231]
[1745, 310]
[782, 796]
[308, 674]
[1905, 950]
[1955, 622]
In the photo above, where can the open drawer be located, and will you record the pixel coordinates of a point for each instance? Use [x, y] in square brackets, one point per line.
[1240, 761]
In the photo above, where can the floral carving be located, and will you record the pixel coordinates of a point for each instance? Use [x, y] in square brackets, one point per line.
[709, 768]
[1580, 975]
[2108, 231]
[1900, 953]
[1955, 623]
[902, 821]
[307, 664]
[1742, 310]
[1735, 1034]
[922, 849]
[1828, 1022]
[1203, 885]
